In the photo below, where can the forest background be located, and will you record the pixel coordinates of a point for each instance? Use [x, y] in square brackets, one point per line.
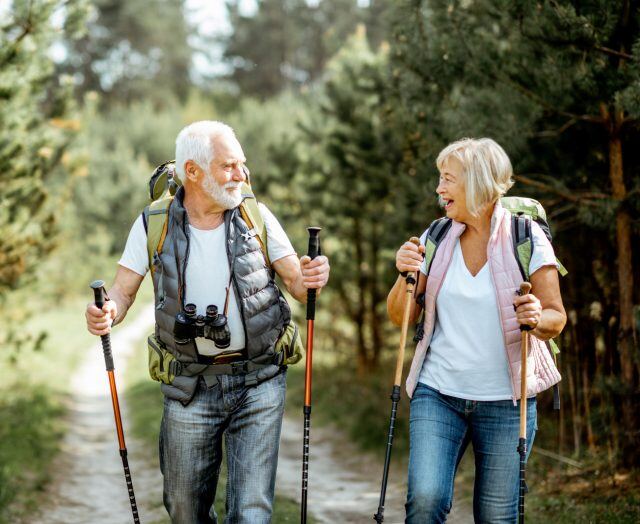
[341, 107]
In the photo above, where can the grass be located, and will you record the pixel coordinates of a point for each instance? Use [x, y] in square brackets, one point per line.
[144, 401]
[34, 392]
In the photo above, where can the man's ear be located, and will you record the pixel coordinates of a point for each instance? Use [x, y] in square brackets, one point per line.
[192, 170]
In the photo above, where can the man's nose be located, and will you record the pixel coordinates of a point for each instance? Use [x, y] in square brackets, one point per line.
[238, 173]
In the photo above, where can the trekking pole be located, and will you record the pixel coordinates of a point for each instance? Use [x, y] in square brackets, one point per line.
[525, 287]
[395, 392]
[99, 294]
[313, 251]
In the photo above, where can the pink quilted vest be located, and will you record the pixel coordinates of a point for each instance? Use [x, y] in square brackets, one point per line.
[541, 370]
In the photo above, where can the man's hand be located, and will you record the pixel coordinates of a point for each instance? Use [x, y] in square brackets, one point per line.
[99, 321]
[315, 273]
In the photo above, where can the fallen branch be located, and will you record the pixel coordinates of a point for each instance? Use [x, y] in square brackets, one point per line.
[559, 458]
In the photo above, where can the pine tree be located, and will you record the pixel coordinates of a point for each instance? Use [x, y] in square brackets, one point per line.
[558, 84]
[347, 170]
[286, 44]
[35, 130]
[133, 49]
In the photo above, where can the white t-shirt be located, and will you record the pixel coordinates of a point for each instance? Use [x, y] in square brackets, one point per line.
[467, 357]
[207, 273]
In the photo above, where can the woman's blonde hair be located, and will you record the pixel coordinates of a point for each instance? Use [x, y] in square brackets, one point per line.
[486, 170]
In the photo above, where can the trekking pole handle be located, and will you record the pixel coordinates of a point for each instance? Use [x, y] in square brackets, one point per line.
[525, 289]
[313, 251]
[99, 295]
[415, 241]
[98, 292]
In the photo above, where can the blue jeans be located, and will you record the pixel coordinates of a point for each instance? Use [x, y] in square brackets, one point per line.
[191, 450]
[440, 429]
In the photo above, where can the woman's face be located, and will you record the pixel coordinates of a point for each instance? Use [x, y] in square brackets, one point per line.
[451, 190]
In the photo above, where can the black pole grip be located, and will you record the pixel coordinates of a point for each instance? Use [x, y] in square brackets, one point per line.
[313, 251]
[98, 292]
[99, 299]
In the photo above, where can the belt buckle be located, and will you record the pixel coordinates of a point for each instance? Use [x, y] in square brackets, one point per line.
[238, 367]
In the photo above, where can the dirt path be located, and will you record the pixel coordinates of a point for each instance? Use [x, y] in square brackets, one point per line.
[88, 484]
[344, 486]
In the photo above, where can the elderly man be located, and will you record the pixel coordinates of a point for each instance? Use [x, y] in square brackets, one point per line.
[210, 258]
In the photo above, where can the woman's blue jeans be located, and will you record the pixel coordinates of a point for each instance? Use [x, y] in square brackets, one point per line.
[441, 427]
[191, 450]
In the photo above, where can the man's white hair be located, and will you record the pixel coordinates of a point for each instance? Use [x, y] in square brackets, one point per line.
[486, 170]
[195, 143]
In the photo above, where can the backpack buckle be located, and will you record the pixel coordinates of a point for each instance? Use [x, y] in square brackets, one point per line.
[238, 368]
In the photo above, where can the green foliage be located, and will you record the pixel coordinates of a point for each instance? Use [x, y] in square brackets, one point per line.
[557, 84]
[36, 131]
[30, 437]
[133, 50]
[341, 170]
[32, 394]
[287, 44]
[121, 147]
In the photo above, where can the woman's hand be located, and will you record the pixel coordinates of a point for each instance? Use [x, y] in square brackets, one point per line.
[528, 310]
[409, 257]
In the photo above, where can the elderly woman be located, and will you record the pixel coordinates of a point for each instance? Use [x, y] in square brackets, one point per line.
[464, 381]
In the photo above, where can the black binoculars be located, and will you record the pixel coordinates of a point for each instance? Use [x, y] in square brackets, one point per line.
[213, 326]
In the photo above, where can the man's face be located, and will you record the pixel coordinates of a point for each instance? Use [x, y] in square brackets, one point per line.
[226, 173]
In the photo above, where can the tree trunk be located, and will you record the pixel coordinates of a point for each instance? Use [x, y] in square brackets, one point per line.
[626, 335]
[575, 419]
[375, 320]
[363, 357]
[586, 400]
[625, 264]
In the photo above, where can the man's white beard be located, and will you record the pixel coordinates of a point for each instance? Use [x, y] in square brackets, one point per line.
[220, 194]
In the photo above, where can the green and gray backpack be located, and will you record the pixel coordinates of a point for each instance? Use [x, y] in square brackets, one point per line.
[523, 210]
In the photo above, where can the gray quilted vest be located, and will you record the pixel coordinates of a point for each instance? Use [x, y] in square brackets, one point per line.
[263, 309]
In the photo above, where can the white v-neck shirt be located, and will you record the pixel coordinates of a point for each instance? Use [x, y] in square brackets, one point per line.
[207, 272]
[467, 357]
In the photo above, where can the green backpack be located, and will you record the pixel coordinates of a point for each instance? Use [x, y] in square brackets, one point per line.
[523, 210]
[163, 185]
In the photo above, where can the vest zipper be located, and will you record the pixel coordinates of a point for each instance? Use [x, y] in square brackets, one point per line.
[185, 228]
[236, 292]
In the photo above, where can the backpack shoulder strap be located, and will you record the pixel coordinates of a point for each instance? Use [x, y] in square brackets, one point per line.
[250, 213]
[155, 217]
[436, 232]
[522, 243]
